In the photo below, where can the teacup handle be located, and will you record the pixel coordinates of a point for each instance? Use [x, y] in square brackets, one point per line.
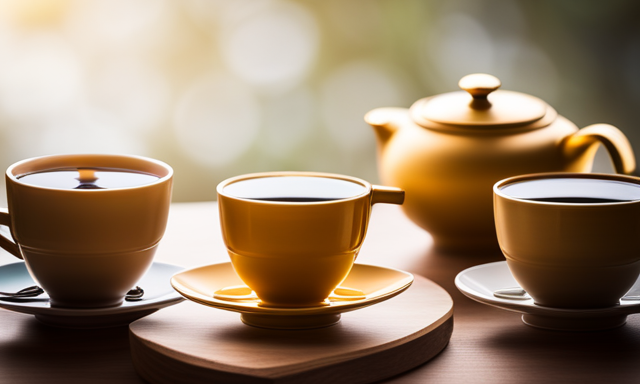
[8, 245]
[613, 140]
[388, 195]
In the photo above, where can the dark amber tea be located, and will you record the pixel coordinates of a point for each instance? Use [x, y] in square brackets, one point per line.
[574, 191]
[295, 189]
[88, 178]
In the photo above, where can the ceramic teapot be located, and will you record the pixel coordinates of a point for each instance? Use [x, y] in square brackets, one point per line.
[448, 150]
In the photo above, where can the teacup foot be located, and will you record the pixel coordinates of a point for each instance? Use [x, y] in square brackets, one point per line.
[289, 322]
[574, 324]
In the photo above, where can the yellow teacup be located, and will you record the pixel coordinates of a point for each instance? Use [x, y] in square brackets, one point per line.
[570, 239]
[293, 236]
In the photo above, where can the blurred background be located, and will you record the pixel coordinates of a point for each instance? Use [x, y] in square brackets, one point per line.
[218, 88]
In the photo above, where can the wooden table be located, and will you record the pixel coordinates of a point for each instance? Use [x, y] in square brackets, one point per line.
[488, 345]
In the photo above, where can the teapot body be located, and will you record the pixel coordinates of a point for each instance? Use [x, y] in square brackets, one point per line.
[448, 176]
[448, 150]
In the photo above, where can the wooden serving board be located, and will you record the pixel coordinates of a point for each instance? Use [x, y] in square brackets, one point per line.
[192, 343]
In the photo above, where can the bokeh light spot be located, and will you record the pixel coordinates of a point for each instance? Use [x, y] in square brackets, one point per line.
[216, 120]
[457, 45]
[274, 46]
[348, 94]
[40, 74]
[523, 66]
[100, 25]
[85, 129]
[135, 91]
[288, 121]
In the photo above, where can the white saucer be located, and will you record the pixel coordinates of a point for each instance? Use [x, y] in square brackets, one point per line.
[376, 284]
[479, 283]
[158, 293]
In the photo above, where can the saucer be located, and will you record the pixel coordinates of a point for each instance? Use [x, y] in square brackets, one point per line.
[376, 283]
[480, 282]
[157, 294]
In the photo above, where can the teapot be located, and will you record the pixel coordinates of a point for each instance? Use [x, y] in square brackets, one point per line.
[448, 150]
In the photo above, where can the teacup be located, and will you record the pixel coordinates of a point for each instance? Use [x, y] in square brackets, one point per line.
[293, 236]
[570, 239]
[87, 226]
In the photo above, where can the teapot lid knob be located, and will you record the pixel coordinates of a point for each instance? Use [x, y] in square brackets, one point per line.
[482, 105]
[479, 85]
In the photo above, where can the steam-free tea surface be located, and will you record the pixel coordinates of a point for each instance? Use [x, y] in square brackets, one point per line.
[191, 343]
[301, 189]
[573, 190]
[88, 178]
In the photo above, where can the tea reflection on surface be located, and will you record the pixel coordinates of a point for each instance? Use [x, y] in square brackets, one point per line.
[87, 178]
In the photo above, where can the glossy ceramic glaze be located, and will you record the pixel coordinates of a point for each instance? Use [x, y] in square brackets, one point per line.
[569, 255]
[480, 282]
[448, 150]
[86, 248]
[376, 283]
[295, 254]
[158, 293]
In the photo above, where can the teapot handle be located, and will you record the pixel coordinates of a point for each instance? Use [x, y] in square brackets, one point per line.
[8, 245]
[613, 140]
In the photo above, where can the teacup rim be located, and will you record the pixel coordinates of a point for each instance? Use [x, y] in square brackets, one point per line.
[10, 175]
[249, 176]
[563, 175]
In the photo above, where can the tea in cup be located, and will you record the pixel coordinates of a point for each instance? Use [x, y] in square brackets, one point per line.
[293, 236]
[87, 226]
[570, 239]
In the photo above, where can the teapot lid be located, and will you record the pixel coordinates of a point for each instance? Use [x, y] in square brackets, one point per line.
[482, 105]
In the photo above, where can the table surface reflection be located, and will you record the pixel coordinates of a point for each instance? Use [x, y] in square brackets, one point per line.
[488, 344]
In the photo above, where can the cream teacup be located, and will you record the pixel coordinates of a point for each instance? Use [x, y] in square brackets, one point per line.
[570, 239]
[87, 226]
[294, 236]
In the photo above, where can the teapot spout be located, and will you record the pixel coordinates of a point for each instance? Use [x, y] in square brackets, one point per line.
[583, 144]
[386, 121]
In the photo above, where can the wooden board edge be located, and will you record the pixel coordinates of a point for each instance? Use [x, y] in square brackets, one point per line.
[157, 368]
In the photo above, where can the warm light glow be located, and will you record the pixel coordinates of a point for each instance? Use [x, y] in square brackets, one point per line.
[34, 13]
[219, 87]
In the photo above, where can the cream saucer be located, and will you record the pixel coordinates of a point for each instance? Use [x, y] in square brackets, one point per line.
[376, 283]
[479, 283]
[157, 294]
